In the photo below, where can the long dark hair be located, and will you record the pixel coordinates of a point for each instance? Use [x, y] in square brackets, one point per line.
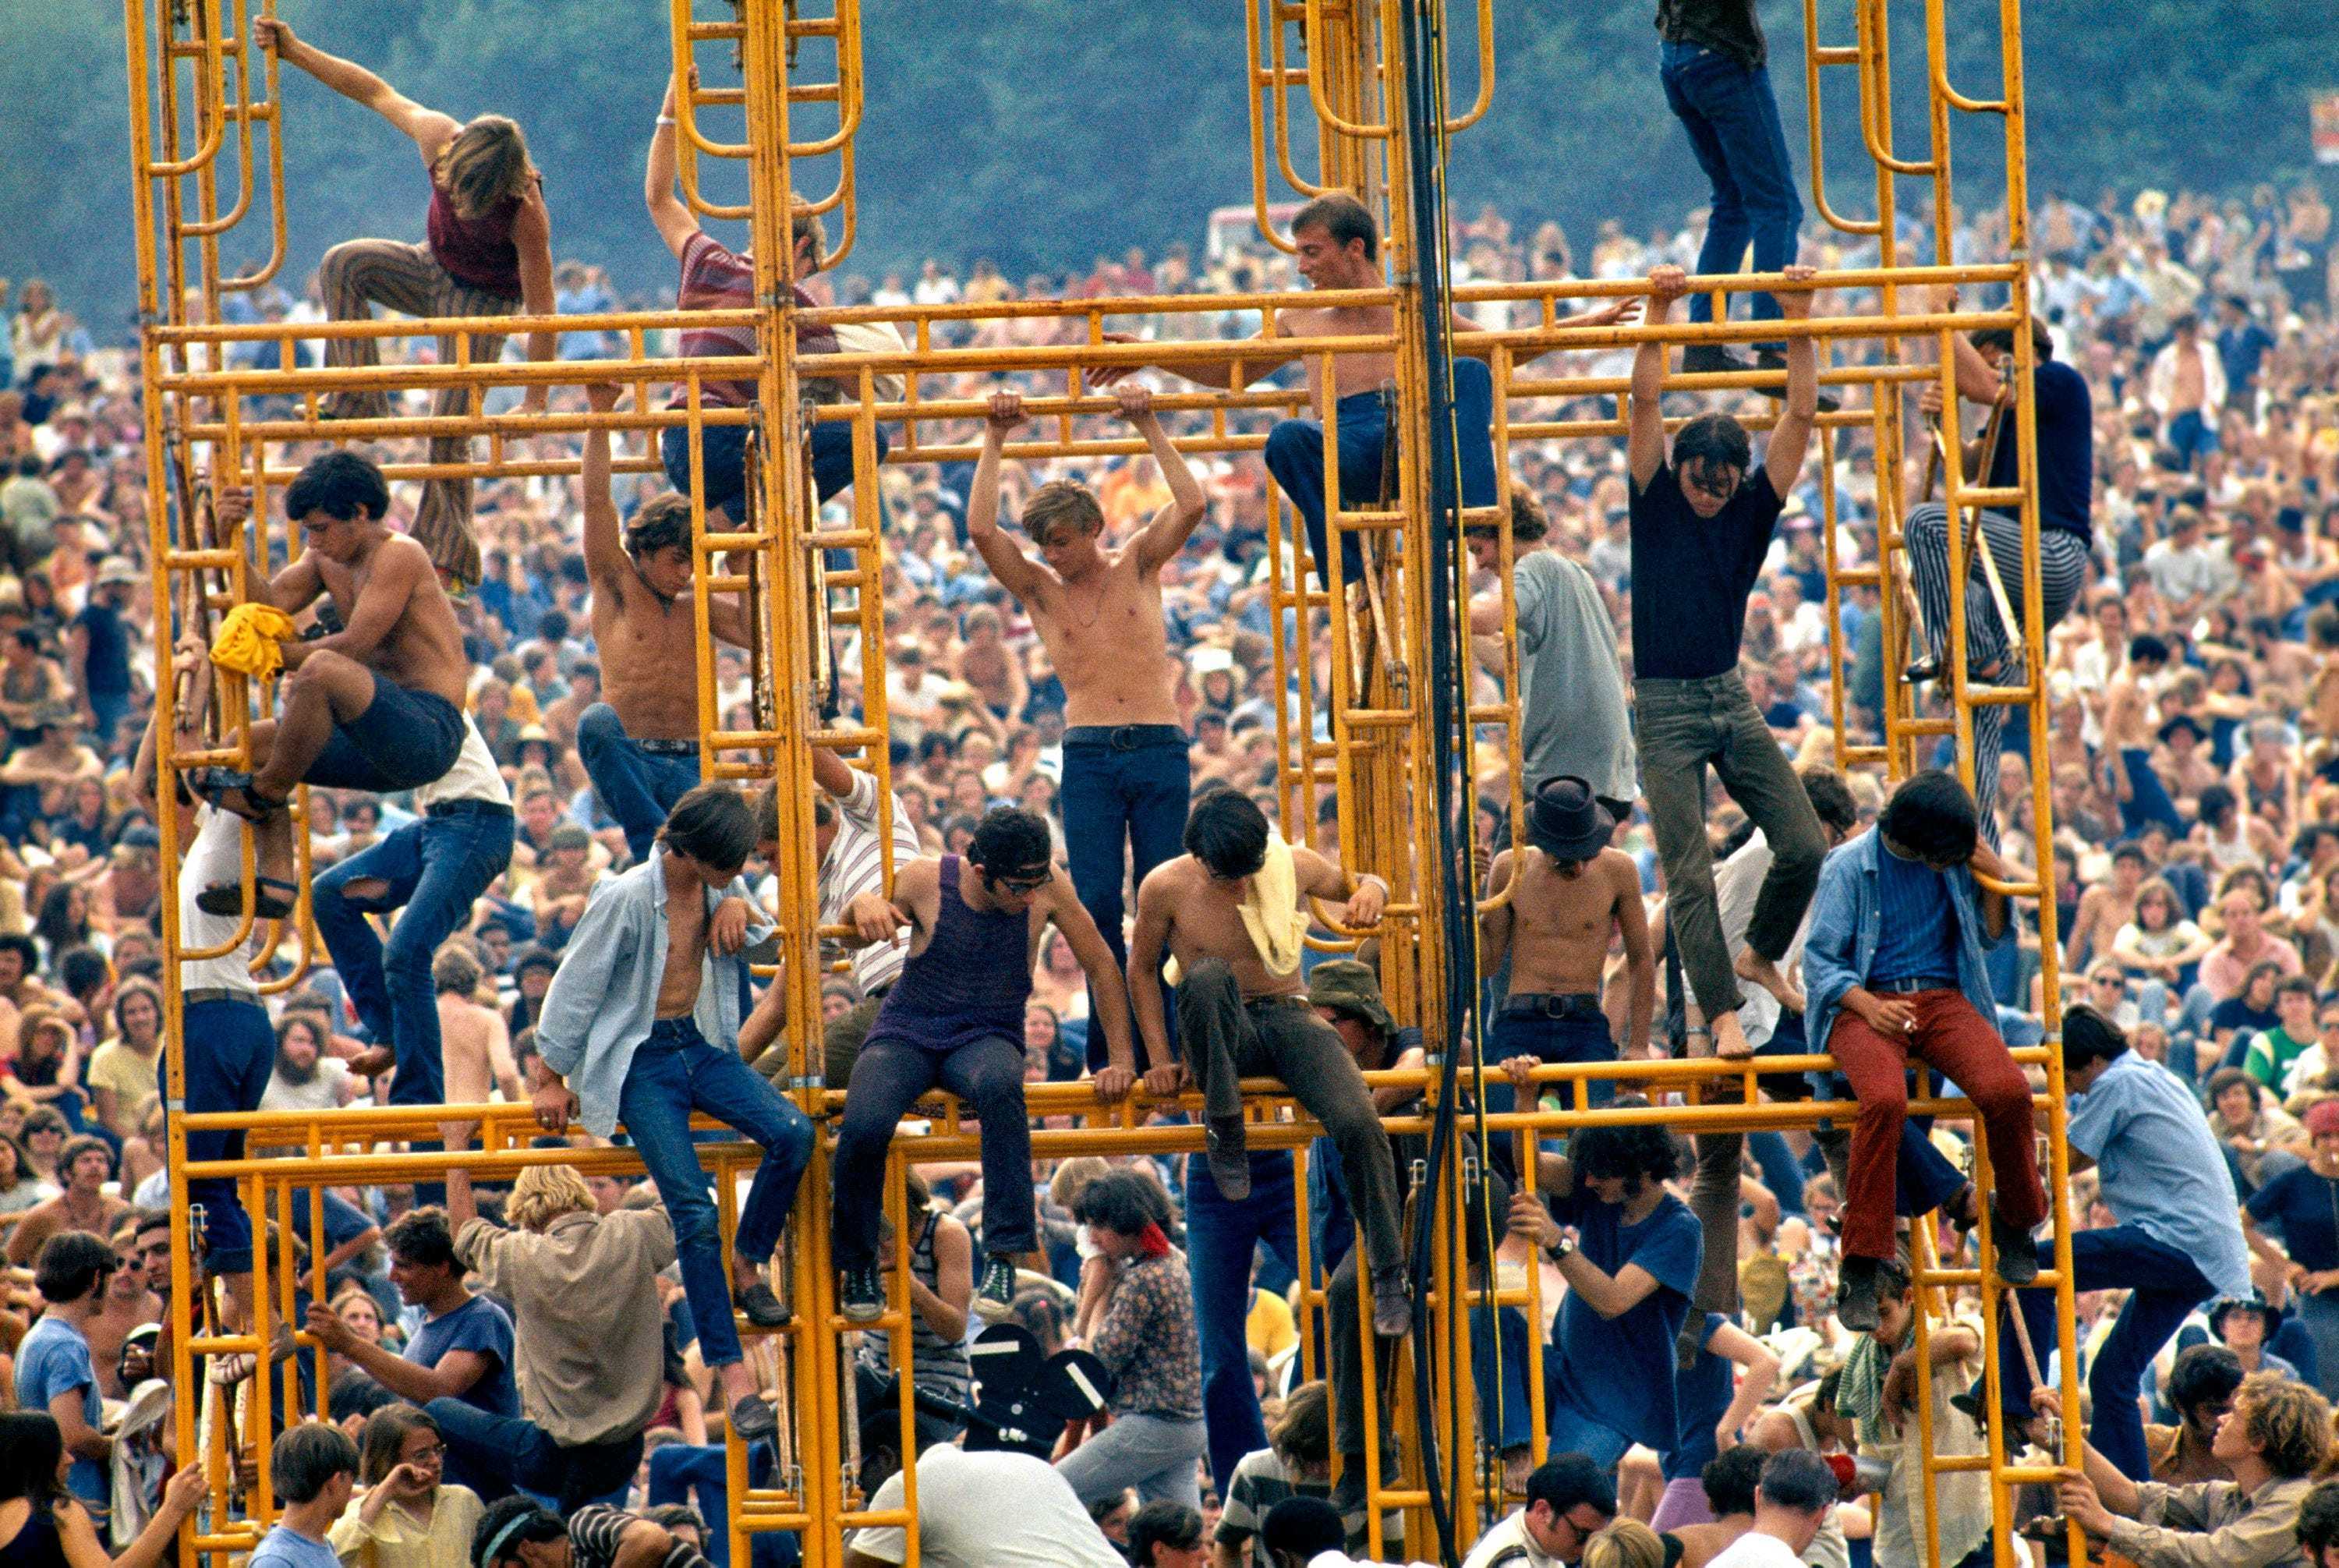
[30, 1449]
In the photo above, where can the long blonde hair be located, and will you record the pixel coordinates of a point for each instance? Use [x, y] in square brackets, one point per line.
[483, 165]
[543, 1193]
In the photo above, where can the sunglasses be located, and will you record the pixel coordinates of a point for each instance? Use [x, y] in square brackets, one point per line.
[1031, 884]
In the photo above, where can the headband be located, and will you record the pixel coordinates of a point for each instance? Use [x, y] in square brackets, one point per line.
[503, 1538]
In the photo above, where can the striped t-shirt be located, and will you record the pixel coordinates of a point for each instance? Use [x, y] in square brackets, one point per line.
[854, 865]
[714, 278]
[596, 1529]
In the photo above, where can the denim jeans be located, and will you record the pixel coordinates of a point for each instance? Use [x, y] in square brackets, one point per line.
[680, 1469]
[509, 1452]
[1154, 1453]
[1126, 786]
[2163, 1285]
[888, 1078]
[722, 457]
[231, 1049]
[2192, 437]
[673, 1074]
[1294, 456]
[1222, 1237]
[1572, 1431]
[636, 787]
[432, 869]
[1550, 1039]
[1506, 1414]
[1733, 120]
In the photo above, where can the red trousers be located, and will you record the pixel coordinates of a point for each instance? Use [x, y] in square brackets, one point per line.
[1954, 1039]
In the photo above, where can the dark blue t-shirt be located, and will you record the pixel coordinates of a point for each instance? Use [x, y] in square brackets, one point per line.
[1619, 1371]
[2302, 1208]
[2067, 450]
[480, 1325]
[108, 661]
[1702, 1392]
[1704, 568]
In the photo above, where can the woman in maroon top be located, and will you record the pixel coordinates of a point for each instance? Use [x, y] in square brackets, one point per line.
[489, 253]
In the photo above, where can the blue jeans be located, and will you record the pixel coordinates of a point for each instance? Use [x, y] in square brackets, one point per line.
[433, 869]
[2164, 1284]
[2192, 436]
[673, 1072]
[1551, 1040]
[1500, 1374]
[636, 787]
[1153, 1453]
[1129, 786]
[722, 457]
[1572, 1431]
[679, 1469]
[509, 1452]
[1222, 1237]
[1294, 456]
[231, 1049]
[1733, 120]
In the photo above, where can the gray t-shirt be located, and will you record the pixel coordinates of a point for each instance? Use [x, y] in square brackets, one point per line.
[1571, 690]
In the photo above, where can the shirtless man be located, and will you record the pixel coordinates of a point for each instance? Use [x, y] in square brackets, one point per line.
[2128, 739]
[1098, 614]
[639, 743]
[84, 1165]
[2106, 907]
[1572, 896]
[1233, 910]
[375, 705]
[478, 1047]
[642, 1025]
[1338, 246]
[954, 1017]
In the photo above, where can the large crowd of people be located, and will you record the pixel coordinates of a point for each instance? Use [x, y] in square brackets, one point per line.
[482, 775]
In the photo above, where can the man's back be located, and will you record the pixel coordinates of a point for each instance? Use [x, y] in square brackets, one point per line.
[990, 1510]
[590, 1340]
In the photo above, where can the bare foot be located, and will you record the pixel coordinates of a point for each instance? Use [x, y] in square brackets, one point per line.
[1753, 968]
[372, 1061]
[1730, 1042]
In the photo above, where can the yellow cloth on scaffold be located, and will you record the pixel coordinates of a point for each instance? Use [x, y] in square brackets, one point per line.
[248, 638]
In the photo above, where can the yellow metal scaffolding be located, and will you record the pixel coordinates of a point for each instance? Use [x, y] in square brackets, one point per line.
[202, 92]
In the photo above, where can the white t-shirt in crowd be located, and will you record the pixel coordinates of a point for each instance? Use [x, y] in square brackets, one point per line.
[214, 858]
[991, 1510]
[1755, 1550]
[474, 776]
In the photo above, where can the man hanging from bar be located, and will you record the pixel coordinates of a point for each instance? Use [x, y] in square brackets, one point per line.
[489, 252]
[714, 278]
[1338, 246]
[375, 705]
[1127, 775]
[2064, 471]
[1233, 911]
[639, 743]
[1702, 517]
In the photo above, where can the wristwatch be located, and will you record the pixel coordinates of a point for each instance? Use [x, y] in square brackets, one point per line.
[1558, 1250]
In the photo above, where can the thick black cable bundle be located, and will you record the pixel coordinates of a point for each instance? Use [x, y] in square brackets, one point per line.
[1424, 75]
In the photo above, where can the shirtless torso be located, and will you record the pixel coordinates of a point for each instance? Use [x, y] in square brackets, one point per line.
[477, 1052]
[686, 943]
[1197, 916]
[1559, 925]
[391, 579]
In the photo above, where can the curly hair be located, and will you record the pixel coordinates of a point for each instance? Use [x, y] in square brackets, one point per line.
[1607, 1153]
[2287, 1421]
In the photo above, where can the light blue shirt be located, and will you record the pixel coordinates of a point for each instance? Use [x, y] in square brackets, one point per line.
[2159, 1169]
[1847, 925]
[285, 1547]
[603, 995]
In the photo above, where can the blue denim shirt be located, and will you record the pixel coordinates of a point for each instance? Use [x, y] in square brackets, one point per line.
[603, 995]
[1846, 926]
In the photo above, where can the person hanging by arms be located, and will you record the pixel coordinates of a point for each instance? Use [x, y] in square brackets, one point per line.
[1702, 521]
[642, 1025]
[1127, 780]
[375, 705]
[954, 1018]
[487, 252]
[639, 743]
[1571, 894]
[1893, 970]
[1338, 246]
[1232, 912]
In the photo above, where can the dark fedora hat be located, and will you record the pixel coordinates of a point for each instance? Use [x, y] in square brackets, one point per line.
[1565, 822]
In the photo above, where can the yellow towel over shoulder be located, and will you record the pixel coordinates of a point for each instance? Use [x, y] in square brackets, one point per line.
[1270, 913]
[248, 638]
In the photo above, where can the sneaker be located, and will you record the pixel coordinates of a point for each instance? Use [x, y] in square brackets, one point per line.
[1714, 359]
[863, 1298]
[1229, 1158]
[1857, 1293]
[2017, 1259]
[1392, 1303]
[1776, 359]
[995, 1301]
[761, 1303]
[753, 1418]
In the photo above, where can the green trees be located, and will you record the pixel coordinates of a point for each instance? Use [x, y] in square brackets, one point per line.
[1042, 132]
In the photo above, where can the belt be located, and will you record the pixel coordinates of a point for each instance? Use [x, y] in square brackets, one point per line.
[472, 806]
[672, 1028]
[218, 993]
[1552, 1004]
[1124, 737]
[1910, 987]
[666, 748]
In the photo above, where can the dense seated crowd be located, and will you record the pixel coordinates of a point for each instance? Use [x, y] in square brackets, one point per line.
[505, 840]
